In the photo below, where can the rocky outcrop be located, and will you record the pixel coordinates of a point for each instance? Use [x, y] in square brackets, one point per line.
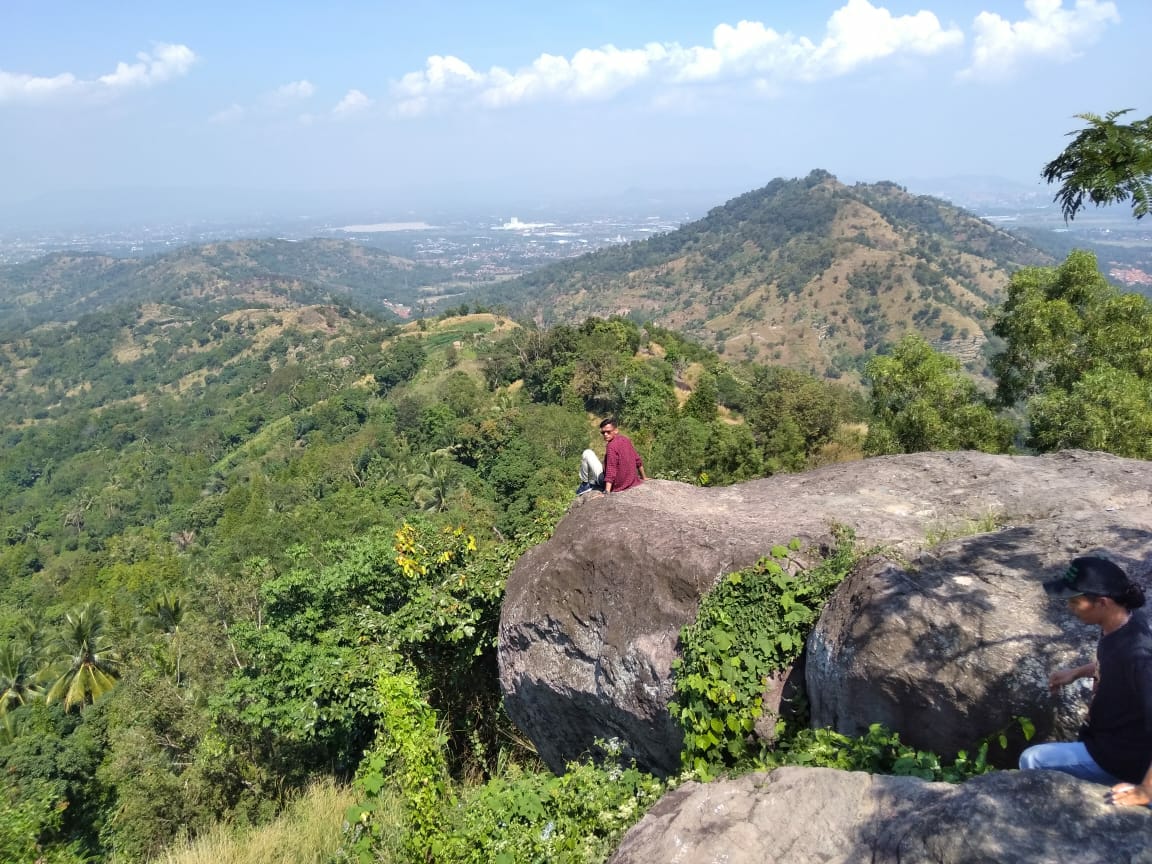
[591, 618]
[810, 815]
[950, 648]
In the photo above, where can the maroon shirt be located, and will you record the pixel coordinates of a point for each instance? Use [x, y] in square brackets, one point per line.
[622, 464]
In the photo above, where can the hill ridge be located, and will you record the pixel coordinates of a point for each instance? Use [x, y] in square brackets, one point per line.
[809, 272]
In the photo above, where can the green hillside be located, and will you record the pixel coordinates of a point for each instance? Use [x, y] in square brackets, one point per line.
[251, 544]
[236, 511]
[237, 274]
[223, 519]
[810, 273]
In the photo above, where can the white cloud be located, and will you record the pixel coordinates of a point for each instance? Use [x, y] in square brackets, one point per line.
[31, 87]
[1051, 32]
[352, 102]
[231, 114]
[857, 34]
[294, 91]
[162, 64]
[166, 61]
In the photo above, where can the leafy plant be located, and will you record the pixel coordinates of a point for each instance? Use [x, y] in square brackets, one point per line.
[752, 624]
[408, 759]
[576, 818]
[880, 751]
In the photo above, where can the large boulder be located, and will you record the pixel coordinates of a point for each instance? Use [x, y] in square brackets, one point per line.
[591, 619]
[810, 815]
[950, 648]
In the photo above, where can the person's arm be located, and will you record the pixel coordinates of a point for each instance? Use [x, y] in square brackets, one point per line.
[1063, 677]
[611, 466]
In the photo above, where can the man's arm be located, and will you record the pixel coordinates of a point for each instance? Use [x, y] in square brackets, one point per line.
[1063, 677]
[611, 465]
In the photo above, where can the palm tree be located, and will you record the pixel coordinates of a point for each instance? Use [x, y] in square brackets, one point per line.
[11, 726]
[164, 615]
[396, 470]
[432, 486]
[20, 680]
[93, 666]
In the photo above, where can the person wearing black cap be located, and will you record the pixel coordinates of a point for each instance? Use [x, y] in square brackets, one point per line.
[1115, 746]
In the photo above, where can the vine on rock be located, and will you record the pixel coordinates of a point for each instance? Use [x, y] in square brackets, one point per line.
[750, 626]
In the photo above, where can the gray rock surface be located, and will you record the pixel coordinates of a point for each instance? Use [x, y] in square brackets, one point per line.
[591, 618]
[949, 650]
[823, 816]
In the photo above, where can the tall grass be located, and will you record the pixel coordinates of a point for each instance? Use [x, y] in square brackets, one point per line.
[309, 831]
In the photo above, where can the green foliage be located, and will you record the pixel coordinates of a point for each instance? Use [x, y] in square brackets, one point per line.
[922, 400]
[29, 823]
[1108, 409]
[878, 751]
[408, 758]
[91, 665]
[1107, 162]
[701, 403]
[400, 363]
[520, 815]
[576, 818]
[752, 624]
[306, 688]
[793, 415]
[1077, 358]
[49, 765]
[21, 676]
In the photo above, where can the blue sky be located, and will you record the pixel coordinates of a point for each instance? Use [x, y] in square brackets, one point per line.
[533, 101]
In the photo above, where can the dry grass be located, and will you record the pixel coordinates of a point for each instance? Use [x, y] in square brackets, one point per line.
[308, 832]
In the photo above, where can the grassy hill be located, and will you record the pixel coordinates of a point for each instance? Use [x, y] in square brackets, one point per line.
[236, 274]
[810, 273]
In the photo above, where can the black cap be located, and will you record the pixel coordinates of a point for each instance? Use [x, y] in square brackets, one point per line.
[1090, 575]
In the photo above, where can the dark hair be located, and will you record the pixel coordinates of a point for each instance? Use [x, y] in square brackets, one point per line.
[607, 421]
[1132, 598]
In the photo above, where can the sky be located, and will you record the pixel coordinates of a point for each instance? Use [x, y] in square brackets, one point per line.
[399, 104]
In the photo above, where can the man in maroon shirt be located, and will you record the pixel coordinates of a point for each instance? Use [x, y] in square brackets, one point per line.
[623, 467]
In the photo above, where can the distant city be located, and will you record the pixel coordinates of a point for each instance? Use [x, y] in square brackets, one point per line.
[491, 247]
[481, 247]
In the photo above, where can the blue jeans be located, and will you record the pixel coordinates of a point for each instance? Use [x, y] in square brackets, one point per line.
[1070, 758]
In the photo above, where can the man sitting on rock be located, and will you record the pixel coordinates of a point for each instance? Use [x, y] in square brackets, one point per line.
[1115, 745]
[623, 467]
[591, 473]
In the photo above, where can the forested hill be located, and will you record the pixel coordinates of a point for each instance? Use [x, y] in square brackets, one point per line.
[241, 273]
[811, 273]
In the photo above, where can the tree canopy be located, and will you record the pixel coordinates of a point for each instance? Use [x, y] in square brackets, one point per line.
[1106, 163]
[923, 400]
[1078, 358]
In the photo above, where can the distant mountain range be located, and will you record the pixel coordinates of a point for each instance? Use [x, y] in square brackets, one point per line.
[812, 273]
